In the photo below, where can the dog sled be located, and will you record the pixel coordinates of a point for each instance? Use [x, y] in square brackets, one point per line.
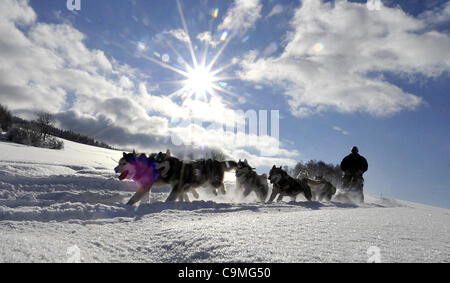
[351, 191]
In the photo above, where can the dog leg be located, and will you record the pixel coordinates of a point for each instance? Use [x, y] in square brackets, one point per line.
[195, 193]
[307, 193]
[216, 191]
[183, 194]
[136, 197]
[173, 194]
[146, 197]
[275, 192]
[280, 197]
[262, 197]
[272, 196]
[176, 192]
[223, 189]
[329, 196]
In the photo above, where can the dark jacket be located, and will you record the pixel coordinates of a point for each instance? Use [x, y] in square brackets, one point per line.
[354, 162]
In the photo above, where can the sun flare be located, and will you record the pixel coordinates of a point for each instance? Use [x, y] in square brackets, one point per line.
[199, 82]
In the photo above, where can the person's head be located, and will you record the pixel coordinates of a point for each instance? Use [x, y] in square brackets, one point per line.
[355, 150]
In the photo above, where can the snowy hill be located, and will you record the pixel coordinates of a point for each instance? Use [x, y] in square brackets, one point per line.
[55, 203]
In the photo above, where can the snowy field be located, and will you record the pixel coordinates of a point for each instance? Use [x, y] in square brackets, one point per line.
[56, 203]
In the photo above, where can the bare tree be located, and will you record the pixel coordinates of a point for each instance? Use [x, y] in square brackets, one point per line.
[45, 121]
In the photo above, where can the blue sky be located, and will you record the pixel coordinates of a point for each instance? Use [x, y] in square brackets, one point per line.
[339, 73]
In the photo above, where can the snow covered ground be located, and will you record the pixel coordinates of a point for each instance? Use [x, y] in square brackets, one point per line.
[56, 205]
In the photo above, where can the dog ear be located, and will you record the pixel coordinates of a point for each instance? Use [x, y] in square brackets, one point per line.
[245, 161]
[124, 154]
[274, 167]
[134, 152]
[168, 153]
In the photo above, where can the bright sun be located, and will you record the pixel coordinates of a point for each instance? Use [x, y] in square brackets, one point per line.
[199, 82]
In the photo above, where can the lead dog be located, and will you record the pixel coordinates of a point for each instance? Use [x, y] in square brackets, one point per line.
[285, 185]
[141, 169]
[249, 180]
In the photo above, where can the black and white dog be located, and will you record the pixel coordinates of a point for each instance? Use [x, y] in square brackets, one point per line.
[285, 185]
[143, 170]
[185, 177]
[250, 181]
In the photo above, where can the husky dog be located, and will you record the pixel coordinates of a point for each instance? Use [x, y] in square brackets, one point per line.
[321, 188]
[302, 174]
[285, 185]
[141, 169]
[249, 180]
[187, 176]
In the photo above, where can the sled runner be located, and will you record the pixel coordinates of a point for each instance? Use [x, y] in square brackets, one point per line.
[352, 190]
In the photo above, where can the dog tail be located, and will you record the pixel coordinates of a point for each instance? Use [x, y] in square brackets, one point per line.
[228, 165]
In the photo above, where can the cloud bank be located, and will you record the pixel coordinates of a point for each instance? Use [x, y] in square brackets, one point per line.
[48, 67]
[335, 57]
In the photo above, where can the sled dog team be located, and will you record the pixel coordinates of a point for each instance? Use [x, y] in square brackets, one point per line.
[162, 169]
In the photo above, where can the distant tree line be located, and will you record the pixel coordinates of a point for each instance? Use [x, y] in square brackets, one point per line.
[36, 133]
[5, 118]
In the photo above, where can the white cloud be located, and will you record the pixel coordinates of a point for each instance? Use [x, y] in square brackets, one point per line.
[438, 16]
[276, 10]
[242, 15]
[17, 11]
[214, 111]
[332, 57]
[178, 34]
[42, 64]
[236, 145]
[340, 130]
[207, 37]
[258, 161]
[125, 82]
